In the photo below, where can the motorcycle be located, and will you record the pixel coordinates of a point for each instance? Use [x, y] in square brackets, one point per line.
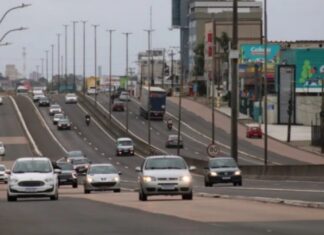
[169, 125]
[87, 120]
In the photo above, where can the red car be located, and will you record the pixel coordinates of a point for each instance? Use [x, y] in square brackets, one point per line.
[118, 106]
[253, 131]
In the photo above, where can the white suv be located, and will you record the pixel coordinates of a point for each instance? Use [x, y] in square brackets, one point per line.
[32, 177]
[165, 175]
[71, 98]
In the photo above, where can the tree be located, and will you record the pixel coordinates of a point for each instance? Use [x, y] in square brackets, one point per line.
[199, 59]
[224, 40]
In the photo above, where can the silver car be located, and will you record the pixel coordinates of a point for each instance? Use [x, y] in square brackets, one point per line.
[165, 175]
[2, 149]
[124, 146]
[3, 174]
[102, 177]
[71, 98]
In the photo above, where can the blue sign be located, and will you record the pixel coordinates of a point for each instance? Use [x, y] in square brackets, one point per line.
[254, 53]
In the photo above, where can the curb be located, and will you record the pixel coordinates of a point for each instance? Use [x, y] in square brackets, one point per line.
[296, 203]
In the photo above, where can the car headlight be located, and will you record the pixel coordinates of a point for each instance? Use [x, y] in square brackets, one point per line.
[148, 178]
[89, 179]
[213, 173]
[49, 180]
[186, 178]
[13, 181]
[116, 178]
[74, 175]
[237, 173]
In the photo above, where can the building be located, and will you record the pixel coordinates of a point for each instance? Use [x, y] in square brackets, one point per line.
[12, 72]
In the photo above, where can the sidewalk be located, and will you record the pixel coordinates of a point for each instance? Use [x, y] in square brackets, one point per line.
[277, 133]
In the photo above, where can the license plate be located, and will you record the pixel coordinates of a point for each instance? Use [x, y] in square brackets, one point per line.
[63, 180]
[30, 189]
[168, 187]
[226, 178]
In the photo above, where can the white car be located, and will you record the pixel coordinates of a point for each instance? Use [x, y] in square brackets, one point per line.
[102, 177]
[92, 91]
[55, 108]
[1, 100]
[165, 175]
[71, 98]
[124, 96]
[57, 117]
[124, 146]
[3, 174]
[36, 97]
[32, 177]
[2, 149]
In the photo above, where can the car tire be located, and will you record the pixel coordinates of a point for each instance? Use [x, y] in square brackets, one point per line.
[239, 183]
[188, 196]
[208, 184]
[11, 198]
[6, 182]
[55, 197]
[117, 190]
[86, 191]
[234, 183]
[75, 185]
[142, 196]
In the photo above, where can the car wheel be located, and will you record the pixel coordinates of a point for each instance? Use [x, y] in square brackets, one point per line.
[234, 183]
[117, 190]
[75, 185]
[86, 191]
[208, 184]
[142, 196]
[55, 197]
[188, 196]
[239, 183]
[6, 182]
[11, 198]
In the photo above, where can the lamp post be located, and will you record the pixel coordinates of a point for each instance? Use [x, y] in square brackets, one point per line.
[66, 54]
[95, 60]
[12, 30]
[46, 65]
[84, 55]
[74, 78]
[5, 44]
[52, 63]
[127, 36]
[23, 5]
[58, 61]
[110, 72]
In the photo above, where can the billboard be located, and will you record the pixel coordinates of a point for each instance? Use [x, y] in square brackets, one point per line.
[254, 53]
[176, 13]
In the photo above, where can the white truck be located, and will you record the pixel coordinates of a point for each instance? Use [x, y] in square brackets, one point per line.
[153, 103]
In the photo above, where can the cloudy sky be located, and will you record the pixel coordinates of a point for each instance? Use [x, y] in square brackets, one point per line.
[288, 20]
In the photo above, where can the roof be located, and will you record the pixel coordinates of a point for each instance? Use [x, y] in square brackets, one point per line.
[32, 158]
[154, 88]
[163, 156]
[124, 139]
[101, 164]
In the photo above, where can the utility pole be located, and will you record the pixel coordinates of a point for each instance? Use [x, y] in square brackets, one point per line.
[213, 79]
[234, 59]
[172, 68]
[322, 118]
[163, 68]
[127, 36]
[84, 55]
[95, 60]
[46, 65]
[58, 62]
[42, 67]
[66, 55]
[265, 85]
[24, 62]
[74, 76]
[110, 72]
[52, 47]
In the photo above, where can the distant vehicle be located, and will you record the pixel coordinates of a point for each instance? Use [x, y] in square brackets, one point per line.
[124, 146]
[68, 175]
[253, 131]
[1, 100]
[44, 101]
[21, 90]
[124, 96]
[32, 177]
[80, 164]
[75, 154]
[57, 117]
[102, 177]
[157, 101]
[37, 96]
[54, 108]
[118, 106]
[2, 149]
[71, 98]
[64, 124]
[3, 174]
[172, 142]
[165, 175]
[92, 91]
[222, 170]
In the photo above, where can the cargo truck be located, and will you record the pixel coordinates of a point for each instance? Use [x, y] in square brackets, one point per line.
[153, 103]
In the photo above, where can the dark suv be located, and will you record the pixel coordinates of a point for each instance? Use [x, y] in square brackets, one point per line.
[68, 175]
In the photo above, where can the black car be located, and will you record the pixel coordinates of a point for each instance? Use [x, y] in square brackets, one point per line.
[222, 170]
[80, 164]
[68, 175]
[75, 154]
[43, 102]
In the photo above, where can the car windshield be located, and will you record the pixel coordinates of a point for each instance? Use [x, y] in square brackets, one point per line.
[39, 166]
[125, 143]
[65, 166]
[79, 161]
[174, 137]
[2, 168]
[222, 163]
[165, 163]
[55, 106]
[75, 154]
[102, 170]
[64, 120]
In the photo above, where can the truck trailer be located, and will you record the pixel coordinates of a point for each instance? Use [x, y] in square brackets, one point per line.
[153, 103]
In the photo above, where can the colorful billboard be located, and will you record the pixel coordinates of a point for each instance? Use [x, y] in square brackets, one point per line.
[254, 53]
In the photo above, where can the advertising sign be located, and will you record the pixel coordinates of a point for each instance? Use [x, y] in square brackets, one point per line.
[254, 53]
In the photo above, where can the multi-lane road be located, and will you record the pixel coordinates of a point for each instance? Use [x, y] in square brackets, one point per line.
[102, 213]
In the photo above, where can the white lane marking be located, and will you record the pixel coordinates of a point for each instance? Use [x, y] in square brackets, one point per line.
[279, 189]
[117, 163]
[90, 143]
[47, 127]
[127, 189]
[31, 140]
[103, 154]
[130, 112]
[75, 128]
[143, 123]
[126, 167]
[157, 133]
[197, 153]
[128, 181]
[96, 148]
[136, 117]
[110, 158]
[84, 139]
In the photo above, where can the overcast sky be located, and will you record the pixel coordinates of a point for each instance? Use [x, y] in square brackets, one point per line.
[288, 20]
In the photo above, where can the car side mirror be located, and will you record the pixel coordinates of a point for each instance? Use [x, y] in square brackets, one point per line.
[192, 168]
[8, 172]
[57, 171]
[138, 169]
[119, 173]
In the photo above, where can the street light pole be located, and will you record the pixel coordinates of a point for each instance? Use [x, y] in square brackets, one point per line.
[95, 60]
[74, 78]
[10, 31]
[127, 36]
[46, 65]
[84, 55]
[52, 47]
[42, 67]
[110, 72]
[213, 79]
[66, 55]
[58, 62]
[13, 8]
